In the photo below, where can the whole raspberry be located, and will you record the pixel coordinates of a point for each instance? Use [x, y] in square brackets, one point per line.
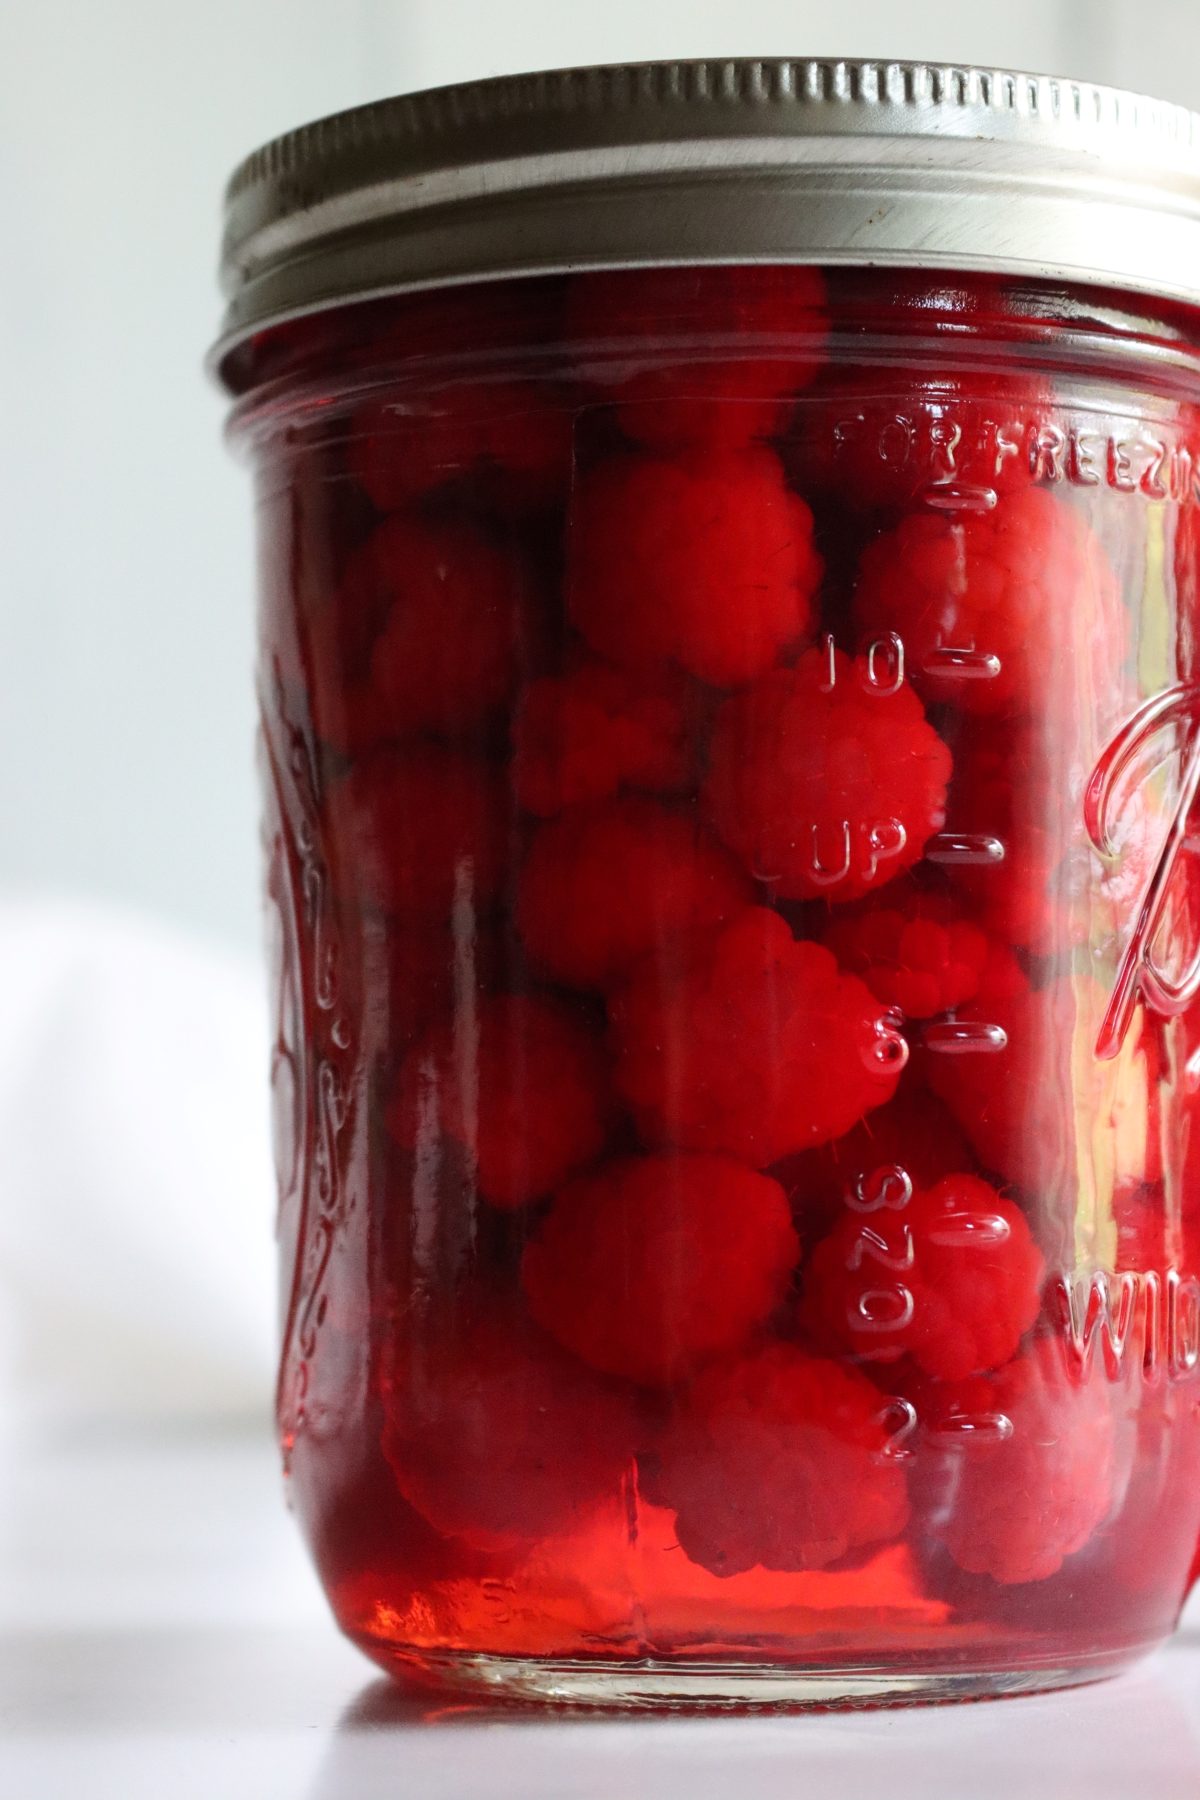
[914, 949]
[1012, 589]
[418, 832]
[314, 651]
[1052, 890]
[778, 1460]
[512, 440]
[1008, 787]
[454, 625]
[826, 780]
[394, 978]
[654, 1264]
[1025, 1464]
[754, 1044]
[520, 1082]
[951, 1278]
[707, 355]
[372, 1549]
[495, 317]
[494, 1435]
[605, 885]
[706, 561]
[913, 1135]
[1010, 1071]
[597, 730]
[992, 1069]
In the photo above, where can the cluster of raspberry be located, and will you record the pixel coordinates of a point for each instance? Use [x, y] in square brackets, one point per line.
[724, 878]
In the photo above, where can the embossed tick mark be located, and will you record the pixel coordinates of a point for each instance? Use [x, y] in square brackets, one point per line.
[970, 848]
[965, 662]
[958, 496]
[981, 1427]
[964, 1037]
[969, 1231]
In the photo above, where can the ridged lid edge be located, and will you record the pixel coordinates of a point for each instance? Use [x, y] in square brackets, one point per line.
[425, 118]
[716, 161]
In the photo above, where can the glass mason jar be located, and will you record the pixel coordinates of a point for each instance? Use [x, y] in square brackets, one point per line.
[730, 738]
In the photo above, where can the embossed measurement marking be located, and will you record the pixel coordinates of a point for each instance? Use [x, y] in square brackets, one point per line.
[880, 668]
[965, 848]
[884, 839]
[959, 1037]
[965, 663]
[959, 497]
[889, 1306]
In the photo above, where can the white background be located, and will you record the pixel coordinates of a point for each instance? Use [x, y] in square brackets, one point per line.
[125, 704]
[156, 1617]
[135, 1191]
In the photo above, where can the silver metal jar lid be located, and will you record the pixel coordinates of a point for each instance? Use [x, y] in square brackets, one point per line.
[789, 161]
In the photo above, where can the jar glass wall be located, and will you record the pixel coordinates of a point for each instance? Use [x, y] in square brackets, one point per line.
[730, 749]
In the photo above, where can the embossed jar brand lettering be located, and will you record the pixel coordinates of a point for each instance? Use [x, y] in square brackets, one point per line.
[933, 444]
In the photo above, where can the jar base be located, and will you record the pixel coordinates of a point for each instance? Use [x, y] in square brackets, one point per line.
[682, 1685]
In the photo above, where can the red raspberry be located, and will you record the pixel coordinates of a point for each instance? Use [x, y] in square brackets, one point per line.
[1053, 889]
[914, 1133]
[403, 335]
[513, 440]
[393, 980]
[914, 949]
[754, 336]
[504, 317]
[373, 1550]
[596, 730]
[656, 1263]
[605, 885]
[313, 650]
[705, 561]
[952, 1278]
[421, 832]
[875, 438]
[1004, 788]
[1026, 1464]
[520, 1082]
[1017, 1100]
[1001, 1074]
[780, 1461]
[495, 1435]
[756, 1044]
[453, 617]
[826, 784]
[1020, 584]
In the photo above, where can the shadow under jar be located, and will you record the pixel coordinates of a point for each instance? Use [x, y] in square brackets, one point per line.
[730, 738]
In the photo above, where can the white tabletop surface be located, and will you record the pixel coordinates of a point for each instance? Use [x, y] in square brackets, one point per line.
[161, 1635]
